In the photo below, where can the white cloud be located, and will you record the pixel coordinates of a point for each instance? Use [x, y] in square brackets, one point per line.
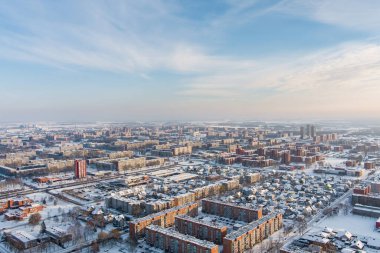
[121, 37]
[144, 36]
[345, 78]
[360, 15]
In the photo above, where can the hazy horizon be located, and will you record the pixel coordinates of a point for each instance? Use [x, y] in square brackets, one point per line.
[78, 61]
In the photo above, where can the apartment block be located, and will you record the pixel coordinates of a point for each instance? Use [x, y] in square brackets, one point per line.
[369, 165]
[252, 178]
[184, 150]
[368, 200]
[141, 145]
[285, 157]
[205, 191]
[124, 204]
[173, 241]
[255, 232]
[80, 168]
[130, 164]
[200, 229]
[362, 189]
[231, 211]
[164, 219]
[173, 151]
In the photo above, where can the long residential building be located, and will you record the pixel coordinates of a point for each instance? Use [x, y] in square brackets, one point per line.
[231, 211]
[255, 232]
[200, 229]
[164, 219]
[173, 241]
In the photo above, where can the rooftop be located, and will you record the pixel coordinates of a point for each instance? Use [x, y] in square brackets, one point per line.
[187, 238]
[250, 226]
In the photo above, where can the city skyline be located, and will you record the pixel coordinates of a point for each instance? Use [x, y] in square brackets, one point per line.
[189, 60]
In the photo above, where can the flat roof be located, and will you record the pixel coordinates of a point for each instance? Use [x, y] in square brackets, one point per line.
[202, 222]
[183, 237]
[153, 215]
[230, 204]
[23, 236]
[250, 226]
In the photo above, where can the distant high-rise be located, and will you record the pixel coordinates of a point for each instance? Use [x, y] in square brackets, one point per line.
[312, 131]
[308, 132]
[302, 132]
[80, 168]
[286, 157]
[308, 127]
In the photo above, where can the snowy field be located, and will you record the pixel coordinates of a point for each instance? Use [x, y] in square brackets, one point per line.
[333, 161]
[356, 224]
[53, 207]
[13, 187]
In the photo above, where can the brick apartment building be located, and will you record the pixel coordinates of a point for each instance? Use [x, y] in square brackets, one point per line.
[80, 168]
[367, 195]
[200, 229]
[176, 150]
[173, 241]
[362, 189]
[369, 165]
[164, 219]
[255, 232]
[285, 157]
[205, 191]
[252, 178]
[231, 211]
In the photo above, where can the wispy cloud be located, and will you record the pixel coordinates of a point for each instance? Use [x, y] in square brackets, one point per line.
[346, 76]
[143, 37]
[360, 15]
[134, 37]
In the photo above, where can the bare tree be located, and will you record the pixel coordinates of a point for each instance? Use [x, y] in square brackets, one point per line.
[302, 226]
[95, 247]
[34, 219]
[115, 234]
[102, 236]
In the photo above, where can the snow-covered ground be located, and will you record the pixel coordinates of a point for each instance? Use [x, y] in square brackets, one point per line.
[50, 209]
[333, 161]
[12, 187]
[356, 224]
[121, 247]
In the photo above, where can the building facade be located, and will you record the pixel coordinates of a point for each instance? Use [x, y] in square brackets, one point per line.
[164, 219]
[200, 229]
[173, 241]
[255, 232]
[80, 168]
[231, 211]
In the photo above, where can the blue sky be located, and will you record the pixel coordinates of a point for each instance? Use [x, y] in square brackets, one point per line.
[189, 60]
